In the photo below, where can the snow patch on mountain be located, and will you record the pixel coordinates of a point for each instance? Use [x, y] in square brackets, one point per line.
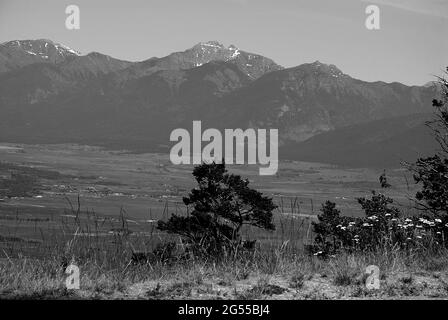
[61, 47]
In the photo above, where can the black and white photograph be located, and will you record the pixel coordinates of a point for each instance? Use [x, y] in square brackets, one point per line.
[246, 152]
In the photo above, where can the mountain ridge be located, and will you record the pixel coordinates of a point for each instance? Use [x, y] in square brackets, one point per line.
[135, 105]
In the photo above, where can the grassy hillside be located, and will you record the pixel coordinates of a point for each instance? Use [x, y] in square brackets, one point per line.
[380, 143]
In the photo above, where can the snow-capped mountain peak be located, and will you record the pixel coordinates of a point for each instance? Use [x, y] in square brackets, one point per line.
[42, 48]
[213, 44]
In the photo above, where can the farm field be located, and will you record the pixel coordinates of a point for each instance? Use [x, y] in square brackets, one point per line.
[140, 183]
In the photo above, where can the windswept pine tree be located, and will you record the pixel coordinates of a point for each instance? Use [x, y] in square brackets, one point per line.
[222, 204]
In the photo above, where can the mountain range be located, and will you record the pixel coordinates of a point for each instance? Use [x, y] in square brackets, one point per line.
[50, 93]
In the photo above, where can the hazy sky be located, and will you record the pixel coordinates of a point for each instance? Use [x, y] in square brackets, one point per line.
[410, 47]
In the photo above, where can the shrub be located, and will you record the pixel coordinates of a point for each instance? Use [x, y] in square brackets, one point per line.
[432, 172]
[335, 232]
[222, 204]
[383, 227]
[329, 237]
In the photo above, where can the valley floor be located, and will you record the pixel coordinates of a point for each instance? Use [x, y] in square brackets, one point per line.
[119, 190]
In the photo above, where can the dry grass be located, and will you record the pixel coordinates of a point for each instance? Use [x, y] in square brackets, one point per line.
[259, 276]
[277, 268]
